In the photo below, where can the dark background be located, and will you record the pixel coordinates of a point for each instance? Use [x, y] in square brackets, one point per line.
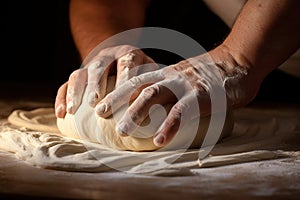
[37, 49]
[38, 53]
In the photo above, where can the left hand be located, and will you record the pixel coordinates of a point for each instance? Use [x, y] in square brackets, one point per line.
[124, 60]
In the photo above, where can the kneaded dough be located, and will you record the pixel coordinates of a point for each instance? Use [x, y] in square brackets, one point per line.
[86, 125]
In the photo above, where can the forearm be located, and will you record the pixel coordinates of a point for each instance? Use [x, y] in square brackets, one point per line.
[265, 34]
[93, 21]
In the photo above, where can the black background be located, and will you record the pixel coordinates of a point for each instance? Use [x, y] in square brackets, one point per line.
[38, 53]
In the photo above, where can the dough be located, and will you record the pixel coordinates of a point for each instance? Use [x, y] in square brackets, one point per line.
[259, 133]
[215, 161]
[85, 125]
[39, 119]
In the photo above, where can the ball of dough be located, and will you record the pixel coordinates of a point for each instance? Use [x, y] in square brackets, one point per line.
[86, 125]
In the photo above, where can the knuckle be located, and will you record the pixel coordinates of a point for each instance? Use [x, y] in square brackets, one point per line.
[74, 74]
[179, 108]
[170, 123]
[190, 71]
[94, 65]
[135, 81]
[134, 115]
[127, 59]
[184, 64]
[150, 92]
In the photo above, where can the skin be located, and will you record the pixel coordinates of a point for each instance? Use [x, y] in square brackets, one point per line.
[93, 21]
[263, 36]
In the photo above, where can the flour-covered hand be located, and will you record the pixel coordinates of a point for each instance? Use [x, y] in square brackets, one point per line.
[184, 85]
[125, 61]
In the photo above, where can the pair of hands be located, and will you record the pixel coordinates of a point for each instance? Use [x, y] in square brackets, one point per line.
[140, 80]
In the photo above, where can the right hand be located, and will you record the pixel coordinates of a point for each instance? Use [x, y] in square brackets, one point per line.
[191, 86]
[125, 60]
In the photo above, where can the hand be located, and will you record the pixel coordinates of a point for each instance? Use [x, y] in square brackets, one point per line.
[124, 60]
[179, 84]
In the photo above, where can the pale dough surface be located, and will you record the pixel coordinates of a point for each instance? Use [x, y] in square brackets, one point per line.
[85, 125]
[258, 134]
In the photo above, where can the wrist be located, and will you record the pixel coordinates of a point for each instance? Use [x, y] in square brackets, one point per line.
[230, 60]
[240, 79]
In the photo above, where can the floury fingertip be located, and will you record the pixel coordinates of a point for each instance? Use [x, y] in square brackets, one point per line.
[92, 98]
[122, 129]
[101, 108]
[159, 140]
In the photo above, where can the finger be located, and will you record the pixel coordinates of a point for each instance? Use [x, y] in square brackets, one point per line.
[127, 67]
[132, 64]
[138, 111]
[75, 89]
[126, 92]
[98, 72]
[60, 101]
[182, 112]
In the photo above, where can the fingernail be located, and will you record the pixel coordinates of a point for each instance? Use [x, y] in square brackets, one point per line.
[122, 129]
[70, 107]
[159, 140]
[101, 108]
[59, 109]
